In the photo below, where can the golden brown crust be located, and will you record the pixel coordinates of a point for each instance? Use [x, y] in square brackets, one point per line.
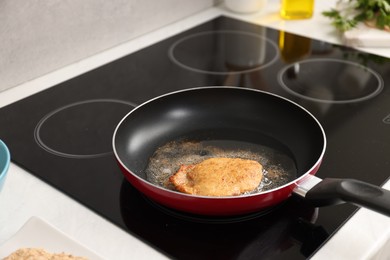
[218, 177]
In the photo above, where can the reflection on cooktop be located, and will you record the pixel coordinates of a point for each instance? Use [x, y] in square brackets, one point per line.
[253, 236]
[330, 81]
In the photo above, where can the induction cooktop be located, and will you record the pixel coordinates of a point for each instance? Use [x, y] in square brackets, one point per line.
[63, 134]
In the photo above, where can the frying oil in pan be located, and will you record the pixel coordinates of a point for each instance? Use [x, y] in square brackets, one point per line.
[278, 167]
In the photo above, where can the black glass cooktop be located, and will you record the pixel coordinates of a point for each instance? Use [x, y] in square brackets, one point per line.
[63, 134]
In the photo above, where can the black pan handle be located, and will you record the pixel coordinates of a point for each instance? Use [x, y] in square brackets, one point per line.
[335, 191]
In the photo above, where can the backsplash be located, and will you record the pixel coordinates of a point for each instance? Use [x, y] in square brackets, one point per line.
[41, 36]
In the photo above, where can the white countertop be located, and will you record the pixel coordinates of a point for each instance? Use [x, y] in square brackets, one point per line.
[24, 196]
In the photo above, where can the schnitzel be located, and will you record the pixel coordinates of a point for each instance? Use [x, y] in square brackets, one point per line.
[218, 177]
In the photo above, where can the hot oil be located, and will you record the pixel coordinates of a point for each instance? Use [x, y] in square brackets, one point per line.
[278, 167]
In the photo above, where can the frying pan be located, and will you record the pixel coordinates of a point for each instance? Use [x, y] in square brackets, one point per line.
[243, 116]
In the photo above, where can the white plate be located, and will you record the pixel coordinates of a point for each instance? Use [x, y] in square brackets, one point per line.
[37, 233]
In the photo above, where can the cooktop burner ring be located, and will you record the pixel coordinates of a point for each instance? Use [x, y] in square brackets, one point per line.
[43, 144]
[312, 89]
[239, 54]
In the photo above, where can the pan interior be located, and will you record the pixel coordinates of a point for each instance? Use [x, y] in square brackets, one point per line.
[224, 115]
[279, 167]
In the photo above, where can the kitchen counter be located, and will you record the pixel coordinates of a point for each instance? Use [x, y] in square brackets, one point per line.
[364, 236]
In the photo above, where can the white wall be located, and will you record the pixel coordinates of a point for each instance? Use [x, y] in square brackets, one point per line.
[39, 36]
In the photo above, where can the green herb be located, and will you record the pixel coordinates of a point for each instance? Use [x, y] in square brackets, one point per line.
[340, 22]
[352, 12]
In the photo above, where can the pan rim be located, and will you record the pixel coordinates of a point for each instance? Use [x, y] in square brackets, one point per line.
[293, 182]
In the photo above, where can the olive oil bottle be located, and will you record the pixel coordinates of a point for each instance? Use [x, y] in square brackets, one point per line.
[296, 9]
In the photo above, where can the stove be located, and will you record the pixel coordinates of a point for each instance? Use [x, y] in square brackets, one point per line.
[63, 134]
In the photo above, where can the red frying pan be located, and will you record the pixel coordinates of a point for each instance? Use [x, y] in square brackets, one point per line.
[232, 119]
